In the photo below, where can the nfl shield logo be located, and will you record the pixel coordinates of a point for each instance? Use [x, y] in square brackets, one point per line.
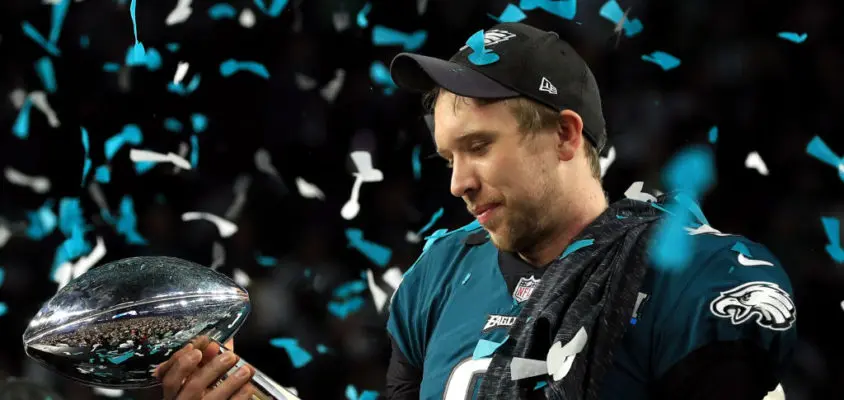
[525, 288]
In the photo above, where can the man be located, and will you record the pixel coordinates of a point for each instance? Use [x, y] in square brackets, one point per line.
[550, 292]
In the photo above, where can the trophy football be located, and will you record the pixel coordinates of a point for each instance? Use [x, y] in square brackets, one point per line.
[112, 326]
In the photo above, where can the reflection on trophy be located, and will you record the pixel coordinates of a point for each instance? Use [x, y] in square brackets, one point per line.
[114, 324]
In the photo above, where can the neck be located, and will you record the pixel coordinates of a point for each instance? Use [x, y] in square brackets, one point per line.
[576, 215]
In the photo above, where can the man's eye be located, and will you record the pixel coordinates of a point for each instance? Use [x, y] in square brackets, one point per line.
[478, 148]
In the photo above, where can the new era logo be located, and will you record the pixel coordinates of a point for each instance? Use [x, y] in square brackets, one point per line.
[546, 86]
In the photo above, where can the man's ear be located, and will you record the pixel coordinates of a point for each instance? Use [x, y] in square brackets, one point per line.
[570, 134]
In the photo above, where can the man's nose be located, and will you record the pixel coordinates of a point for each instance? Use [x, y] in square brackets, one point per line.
[463, 179]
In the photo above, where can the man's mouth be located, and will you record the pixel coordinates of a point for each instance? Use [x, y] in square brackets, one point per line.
[484, 213]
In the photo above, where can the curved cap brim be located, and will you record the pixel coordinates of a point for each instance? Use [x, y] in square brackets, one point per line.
[420, 73]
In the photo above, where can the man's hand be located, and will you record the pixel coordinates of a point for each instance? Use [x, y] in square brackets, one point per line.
[190, 372]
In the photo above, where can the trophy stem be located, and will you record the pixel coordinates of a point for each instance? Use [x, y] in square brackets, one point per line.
[266, 388]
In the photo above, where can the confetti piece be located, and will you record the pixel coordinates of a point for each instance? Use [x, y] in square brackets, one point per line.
[521, 368]
[3, 308]
[221, 10]
[691, 172]
[136, 54]
[5, 233]
[231, 66]
[68, 271]
[561, 8]
[2, 275]
[480, 55]
[36, 36]
[383, 36]
[416, 163]
[664, 60]
[352, 394]
[226, 228]
[266, 261]
[754, 161]
[181, 70]
[130, 134]
[414, 237]
[330, 91]
[818, 149]
[38, 184]
[241, 186]
[540, 385]
[218, 255]
[72, 247]
[39, 100]
[832, 227]
[606, 161]
[380, 75]
[70, 215]
[486, 348]
[511, 13]
[194, 152]
[378, 254]
[182, 90]
[341, 20]
[173, 47]
[84, 41]
[86, 166]
[241, 278]
[275, 8]
[111, 67]
[577, 246]
[365, 173]
[379, 296]
[102, 174]
[466, 278]
[348, 289]
[247, 18]
[21, 126]
[612, 11]
[304, 82]
[713, 134]
[199, 122]
[127, 224]
[308, 190]
[561, 357]
[44, 69]
[137, 155]
[634, 192]
[361, 17]
[173, 125]
[42, 222]
[342, 309]
[298, 356]
[179, 14]
[793, 37]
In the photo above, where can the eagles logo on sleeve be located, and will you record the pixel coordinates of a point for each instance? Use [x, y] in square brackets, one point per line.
[767, 302]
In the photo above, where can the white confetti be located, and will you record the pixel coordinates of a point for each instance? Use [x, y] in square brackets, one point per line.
[97, 195]
[226, 228]
[366, 173]
[5, 233]
[241, 186]
[39, 100]
[38, 184]
[421, 6]
[379, 296]
[332, 88]
[341, 20]
[634, 192]
[17, 97]
[264, 162]
[560, 358]
[137, 155]
[246, 18]
[754, 161]
[179, 14]
[308, 190]
[241, 278]
[69, 271]
[303, 82]
[218, 255]
[607, 161]
[412, 237]
[777, 394]
[393, 277]
[107, 392]
[181, 71]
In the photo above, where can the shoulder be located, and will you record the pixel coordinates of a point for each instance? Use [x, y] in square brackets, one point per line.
[442, 249]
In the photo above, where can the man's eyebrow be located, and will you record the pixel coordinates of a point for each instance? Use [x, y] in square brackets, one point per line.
[467, 136]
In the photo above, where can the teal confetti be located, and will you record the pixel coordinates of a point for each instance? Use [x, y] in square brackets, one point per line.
[118, 359]
[540, 385]
[136, 54]
[142, 167]
[199, 122]
[45, 71]
[511, 13]
[350, 288]
[221, 10]
[352, 394]
[361, 17]
[173, 125]
[127, 224]
[182, 90]
[266, 261]
[84, 41]
[73, 247]
[664, 60]
[577, 246]
[429, 241]
[612, 11]
[173, 47]
[322, 349]
[150, 57]
[383, 36]
[713, 134]
[3, 308]
[380, 75]
[466, 278]
[111, 67]
[480, 55]
[793, 37]
[57, 20]
[42, 222]
[131, 134]
[86, 166]
[378, 254]
[298, 356]
[434, 218]
[832, 227]
[741, 248]
[417, 164]
[486, 348]
[231, 66]
[21, 126]
[342, 309]
[275, 8]
[2, 275]
[561, 8]
[33, 34]
[102, 174]
[70, 215]
[194, 152]
[819, 150]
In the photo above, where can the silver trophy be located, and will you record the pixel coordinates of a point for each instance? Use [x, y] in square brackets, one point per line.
[113, 325]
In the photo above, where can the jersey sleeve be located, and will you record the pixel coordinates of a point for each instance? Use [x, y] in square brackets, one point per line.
[407, 323]
[737, 293]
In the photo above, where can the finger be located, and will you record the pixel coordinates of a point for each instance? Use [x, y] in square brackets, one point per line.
[182, 368]
[162, 368]
[235, 383]
[210, 373]
[209, 352]
[229, 344]
[245, 392]
[200, 342]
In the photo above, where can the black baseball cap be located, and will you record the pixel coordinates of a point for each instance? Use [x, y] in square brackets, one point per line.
[531, 62]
